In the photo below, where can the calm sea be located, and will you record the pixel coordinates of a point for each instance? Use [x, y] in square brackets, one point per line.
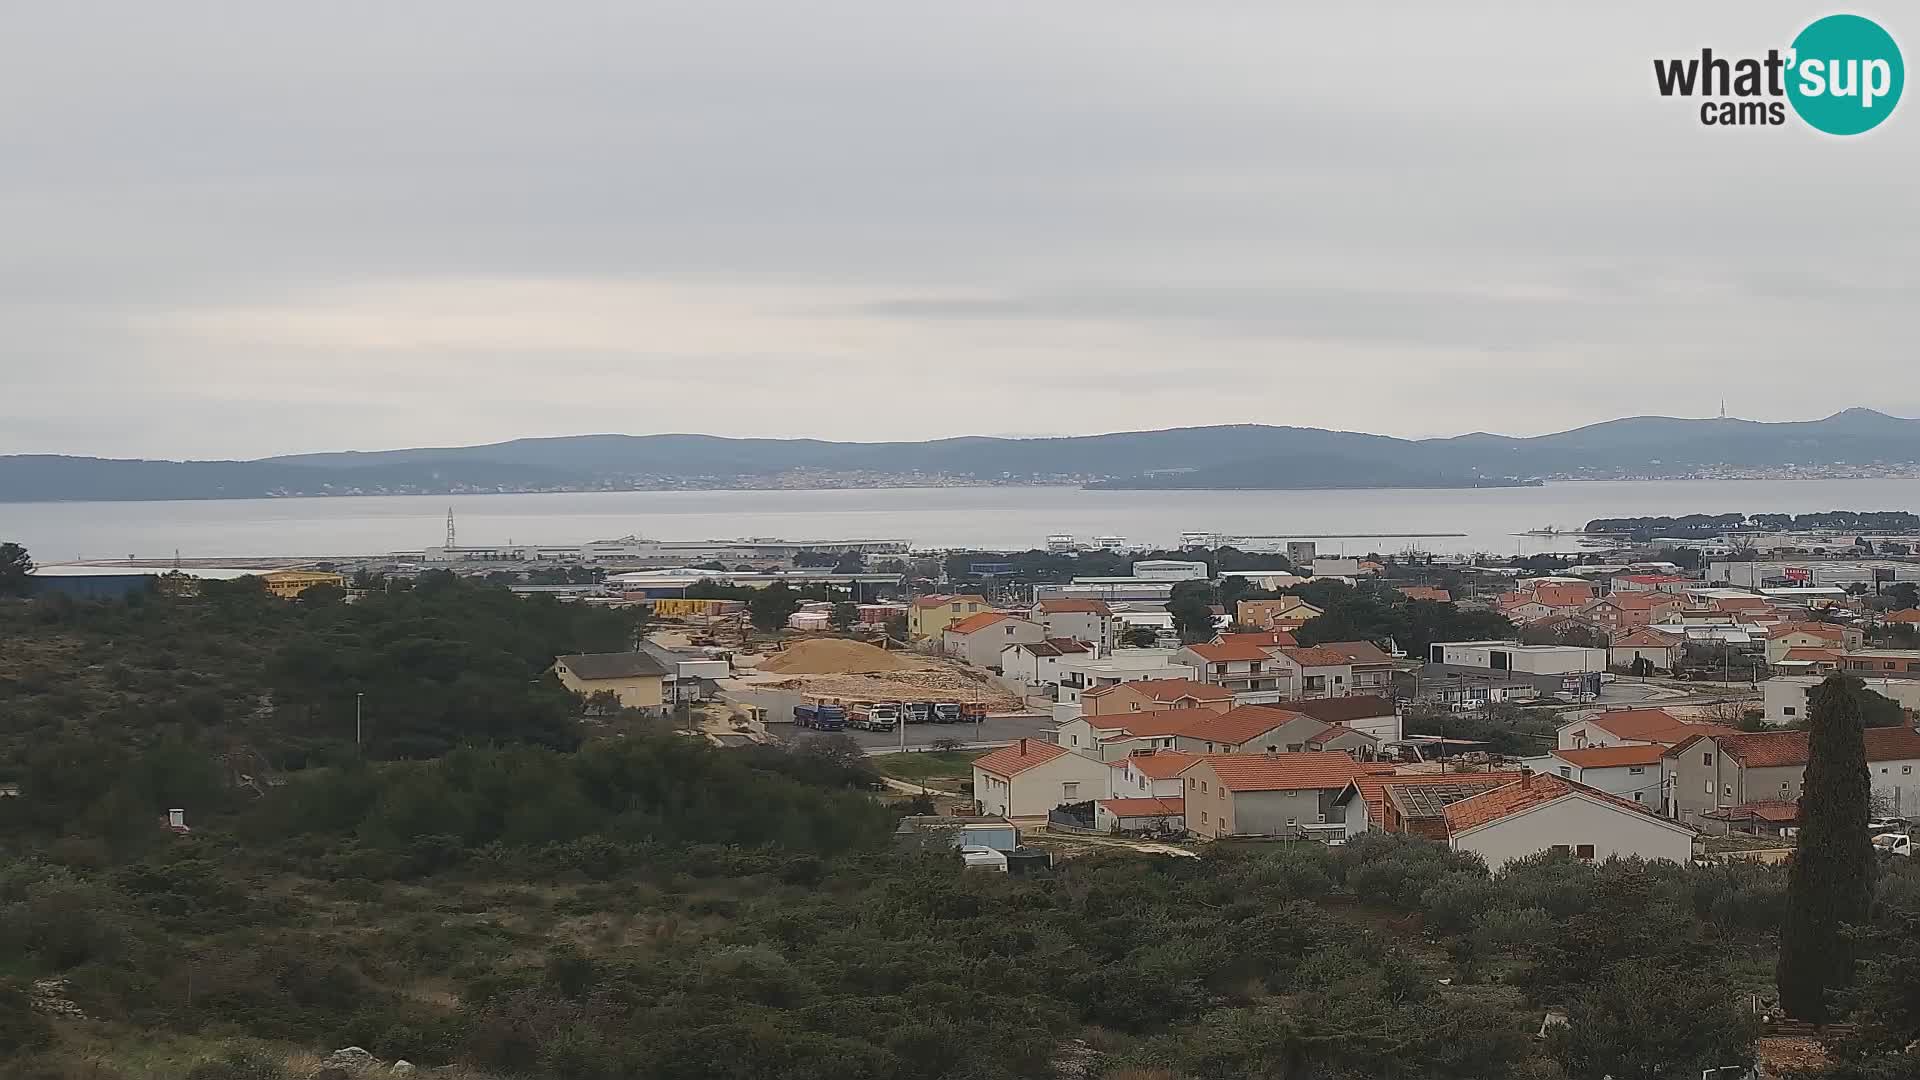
[1014, 518]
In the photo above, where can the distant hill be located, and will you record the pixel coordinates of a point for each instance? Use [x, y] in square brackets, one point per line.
[1241, 456]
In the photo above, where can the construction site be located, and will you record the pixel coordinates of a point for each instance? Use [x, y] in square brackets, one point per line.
[843, 670]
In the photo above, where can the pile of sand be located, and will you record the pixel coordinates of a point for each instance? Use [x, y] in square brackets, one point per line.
[833, 656]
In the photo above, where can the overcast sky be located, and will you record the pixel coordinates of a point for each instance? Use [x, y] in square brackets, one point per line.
[240, 229]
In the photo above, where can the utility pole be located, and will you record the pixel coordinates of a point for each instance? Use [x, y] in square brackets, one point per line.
[358, 698]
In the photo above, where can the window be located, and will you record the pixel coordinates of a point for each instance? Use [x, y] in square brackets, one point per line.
[1584, 851]
[1562, 849]
[1221, 794]
[1727, 791]
[1710, 787]
[1906, 770]
[1636, 770]
[1707, 760]
[1203, 787]
[1789, 710]
[1070, 791]
[1566, 772]
[1203, 817]
[1639, 796]
[1192, 783]
[1290, 823]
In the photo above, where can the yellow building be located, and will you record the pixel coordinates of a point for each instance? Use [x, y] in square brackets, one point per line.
[288, 584]
[930, 616]
[637, 679]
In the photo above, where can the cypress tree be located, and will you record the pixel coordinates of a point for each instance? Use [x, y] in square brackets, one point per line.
[1832, 874]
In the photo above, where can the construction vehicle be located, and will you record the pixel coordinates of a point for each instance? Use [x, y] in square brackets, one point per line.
[946, 712]
[820, 715]
[916, 712]
[973, 712]
[875, 716]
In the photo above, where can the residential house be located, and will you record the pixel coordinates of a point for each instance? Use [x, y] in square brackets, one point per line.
[1563, 598]
[979, 639]
[1627, 610]
[1147, 815]
[1372, 670]
[1087, 672]
[1030, 665]
[1116, 736]
[1149, 773]
[1265, 639]
[1550, 813]
[1881, 663]
[1631, 727]
[1321, 672]
[1521, 607]
[1719, 772]
[1632, 771]
[1667, 583]
[1264, 794]
[1513, 656]
[1254, 729]
[930, 615]
[1290, 611]
[692, 675]
[1240, 667]
[1425, 592]
[1785, 697]
[1030, 777]
[1369, 714]
[1410, 805]
[1645, 643]
[1090, 621]
[1149, 694]
[1811, 635]
[635, 678]
[1808, 661]
[1904, 617]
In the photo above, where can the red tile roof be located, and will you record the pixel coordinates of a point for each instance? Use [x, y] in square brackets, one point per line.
[1322, 770]
[1236, 726]
[1807, 652]
[1334, 731]
[1052, 647]
[1613, 757]
[1559, 596]
[1318, 656]
[1785, 749]
[1168, 690]
[1630, 601]
[1827, 631]
[1172, 806]
[976, 623]
[1528, 792]
[1010, 761]
[1064, 607]
[933, 600]
[1741, 603]
[1160, 764]
[1357, 652]
[1152, 723]
[1222, 653]
[1426, 592]
[1651, 725]
[1910, 615]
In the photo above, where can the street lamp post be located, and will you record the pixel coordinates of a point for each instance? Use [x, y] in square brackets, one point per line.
[358, 712]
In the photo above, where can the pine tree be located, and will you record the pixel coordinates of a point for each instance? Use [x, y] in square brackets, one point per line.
[1832, 874]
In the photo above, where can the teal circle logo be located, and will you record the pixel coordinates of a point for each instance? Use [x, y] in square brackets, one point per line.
[1846, 74]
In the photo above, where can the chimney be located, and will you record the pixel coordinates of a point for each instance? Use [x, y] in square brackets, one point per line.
[1023, 748]
[1526, 777]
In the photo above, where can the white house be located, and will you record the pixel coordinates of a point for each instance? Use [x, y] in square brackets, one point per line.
[1139, 815]
[978, 639]
[1785, 696]
[1079, 674]
[1090, 621]
[1645, 643]
[1549, 813]
[1632, 771]
[1149, 773]
[1028, 665]
[1631, 727]
[1030, 777]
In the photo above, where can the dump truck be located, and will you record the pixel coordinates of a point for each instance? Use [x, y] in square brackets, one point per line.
[946, 712]
[875, 716]
[973, 712]
[916, 712]
[820, 715]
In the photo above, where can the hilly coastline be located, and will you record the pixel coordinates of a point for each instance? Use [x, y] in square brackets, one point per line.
[1227, 457]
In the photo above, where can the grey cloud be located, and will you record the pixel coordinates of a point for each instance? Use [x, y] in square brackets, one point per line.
[1229, 207]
